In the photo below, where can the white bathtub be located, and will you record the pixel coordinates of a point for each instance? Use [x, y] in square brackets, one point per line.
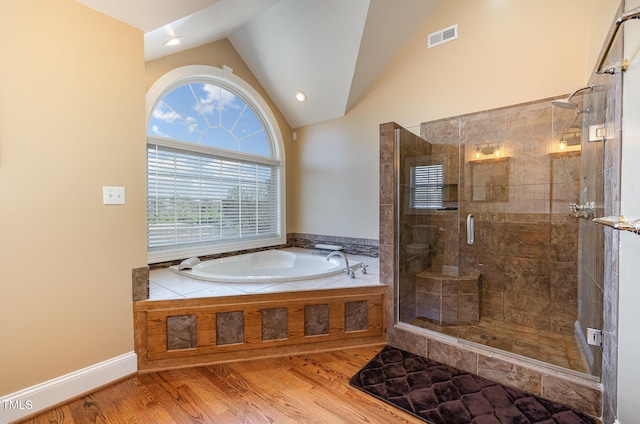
[267, 266]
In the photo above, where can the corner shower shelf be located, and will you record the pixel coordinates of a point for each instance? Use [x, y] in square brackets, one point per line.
[619, 223]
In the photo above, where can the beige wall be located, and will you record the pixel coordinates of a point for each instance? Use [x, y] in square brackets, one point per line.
[507, 52]
[600, 16]
[71, 121]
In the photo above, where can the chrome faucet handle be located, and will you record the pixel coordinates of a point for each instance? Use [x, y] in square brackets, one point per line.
[363, 268]
[350, 273]
[583, 210]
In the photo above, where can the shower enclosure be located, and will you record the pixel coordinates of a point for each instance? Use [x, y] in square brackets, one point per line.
[487, 242]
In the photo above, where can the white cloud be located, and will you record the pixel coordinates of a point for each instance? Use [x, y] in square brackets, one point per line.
[217, 98]
[193, 124]
[165, 114]
[156, 131]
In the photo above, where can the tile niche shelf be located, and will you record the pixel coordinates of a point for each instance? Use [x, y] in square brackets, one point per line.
[619, 223]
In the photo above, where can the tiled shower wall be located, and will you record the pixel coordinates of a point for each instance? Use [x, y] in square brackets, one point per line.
[581, 393]
[526, 241]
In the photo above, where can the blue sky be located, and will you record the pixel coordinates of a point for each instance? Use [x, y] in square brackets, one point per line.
[209, 115]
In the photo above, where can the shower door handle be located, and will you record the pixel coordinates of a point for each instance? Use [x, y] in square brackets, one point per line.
[470, 229]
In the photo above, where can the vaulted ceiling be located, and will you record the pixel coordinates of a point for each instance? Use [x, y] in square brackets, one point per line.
[330, 49]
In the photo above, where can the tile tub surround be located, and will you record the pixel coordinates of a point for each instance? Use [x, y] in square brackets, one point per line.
[187, 322]
[208, 330]
[203, 331]
[582, 392]
[140, 283]
[165, 284]
[351, 245]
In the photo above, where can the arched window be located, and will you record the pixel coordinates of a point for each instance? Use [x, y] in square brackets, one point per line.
[215, 166]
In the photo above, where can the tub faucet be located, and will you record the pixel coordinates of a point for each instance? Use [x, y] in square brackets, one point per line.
[583, 210]
[347, 270]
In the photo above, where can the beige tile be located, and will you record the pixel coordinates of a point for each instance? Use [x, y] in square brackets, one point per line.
[451, 355]
[526, 332]
[140, 286]
[510, 374]
[577, 396]
[527, 349]
[428, 284]
[476, 335]
[501, 343]
[407, 340]
[492, 304]
[530, 310]
[387, 187]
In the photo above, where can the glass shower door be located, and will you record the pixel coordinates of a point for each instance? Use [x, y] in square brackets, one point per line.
[429, 229]
[488, 250]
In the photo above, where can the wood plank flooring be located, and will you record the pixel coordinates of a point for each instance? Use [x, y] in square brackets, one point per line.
[310, 388]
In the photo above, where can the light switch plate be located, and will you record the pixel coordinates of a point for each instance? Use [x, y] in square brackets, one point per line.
[113, 195]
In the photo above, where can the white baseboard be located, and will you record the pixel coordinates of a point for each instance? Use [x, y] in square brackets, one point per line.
[45, 395]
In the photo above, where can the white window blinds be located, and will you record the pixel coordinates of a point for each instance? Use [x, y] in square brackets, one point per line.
[195, 199]
[426, 187]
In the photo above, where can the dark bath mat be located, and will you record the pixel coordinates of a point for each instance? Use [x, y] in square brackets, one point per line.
[440, 394]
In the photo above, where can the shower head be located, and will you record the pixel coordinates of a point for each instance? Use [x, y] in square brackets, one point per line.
[567, 103]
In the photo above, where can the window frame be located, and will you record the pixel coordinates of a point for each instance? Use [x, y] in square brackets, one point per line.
[427, 187]
[224, 78]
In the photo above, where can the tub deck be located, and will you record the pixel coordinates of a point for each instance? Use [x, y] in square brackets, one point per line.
[188, 322]
[165, 284]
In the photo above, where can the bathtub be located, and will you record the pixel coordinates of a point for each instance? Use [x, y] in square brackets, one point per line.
[266, 266]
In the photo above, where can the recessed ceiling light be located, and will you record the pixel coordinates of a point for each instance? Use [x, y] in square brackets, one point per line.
[173, 41]
[301, 96]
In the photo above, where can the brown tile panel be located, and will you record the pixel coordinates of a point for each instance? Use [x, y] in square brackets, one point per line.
[355, 316]
[274, 324]
[140, 283]
[181, 332]
[316, 320]
[229, 328]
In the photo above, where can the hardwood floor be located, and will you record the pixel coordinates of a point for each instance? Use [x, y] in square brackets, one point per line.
[310, 388]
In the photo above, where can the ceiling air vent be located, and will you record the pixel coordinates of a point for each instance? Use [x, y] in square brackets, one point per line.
[442, 36]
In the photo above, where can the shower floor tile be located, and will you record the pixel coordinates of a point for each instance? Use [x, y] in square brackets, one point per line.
[553, 348]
